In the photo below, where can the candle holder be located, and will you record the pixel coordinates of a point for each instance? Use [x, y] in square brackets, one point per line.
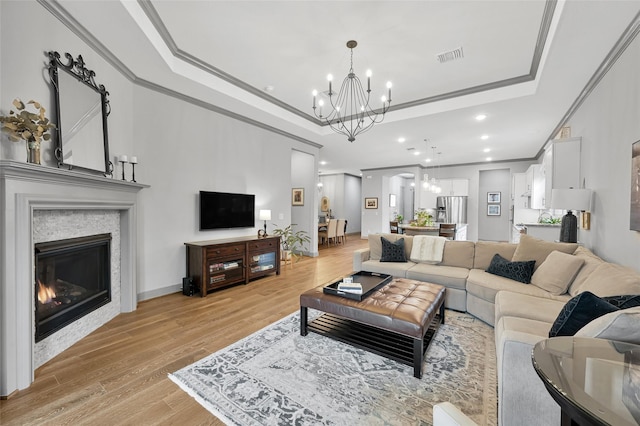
[122, 162]
[133, 171]
[133, 161]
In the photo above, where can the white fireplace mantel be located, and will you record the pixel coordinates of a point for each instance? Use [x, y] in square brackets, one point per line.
[27, 187]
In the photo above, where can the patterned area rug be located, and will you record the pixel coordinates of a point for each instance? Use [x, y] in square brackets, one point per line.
[277, 377]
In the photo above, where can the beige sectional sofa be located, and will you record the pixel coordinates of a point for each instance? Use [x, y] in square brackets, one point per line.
[522, 314]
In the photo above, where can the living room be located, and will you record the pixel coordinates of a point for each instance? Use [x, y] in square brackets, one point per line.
[184, 145]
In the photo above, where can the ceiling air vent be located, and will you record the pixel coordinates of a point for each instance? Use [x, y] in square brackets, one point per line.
[451, 55]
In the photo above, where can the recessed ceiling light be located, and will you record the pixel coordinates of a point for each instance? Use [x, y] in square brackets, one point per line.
[484, 137]
[427, 160]
[488, 158]
[486, 150]
[322, 163]
[480, 117]
[401, 140]
[416, 153]
[269, 89]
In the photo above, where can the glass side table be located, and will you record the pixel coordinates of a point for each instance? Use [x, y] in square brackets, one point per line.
[595, 381]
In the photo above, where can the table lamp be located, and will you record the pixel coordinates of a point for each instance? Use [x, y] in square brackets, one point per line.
[265, 215]
[570, 199]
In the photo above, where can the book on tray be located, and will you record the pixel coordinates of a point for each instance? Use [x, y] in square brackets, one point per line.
[354, 288]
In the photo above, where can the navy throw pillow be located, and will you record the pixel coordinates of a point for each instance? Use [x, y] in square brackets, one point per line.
[392, 252]
[624, 301]
[518, 271]
[578, 312]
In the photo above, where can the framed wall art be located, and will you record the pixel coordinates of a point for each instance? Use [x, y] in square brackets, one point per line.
[493, 210]
[371, 203]
[493, 197]
[297, 197]
[324, 204]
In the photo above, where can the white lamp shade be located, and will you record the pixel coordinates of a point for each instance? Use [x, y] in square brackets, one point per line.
[265, 214]
[571, 199]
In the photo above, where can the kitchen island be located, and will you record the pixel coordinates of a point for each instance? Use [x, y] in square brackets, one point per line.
[461, 230]
[543, 231]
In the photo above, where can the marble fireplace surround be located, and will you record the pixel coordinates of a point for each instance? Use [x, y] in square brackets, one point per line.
[25, 188]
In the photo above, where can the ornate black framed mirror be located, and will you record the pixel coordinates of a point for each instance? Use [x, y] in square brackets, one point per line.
[81, 111]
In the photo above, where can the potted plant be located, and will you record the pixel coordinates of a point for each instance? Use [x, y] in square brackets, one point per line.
[399, 218]
[32, 127]
[291, 241]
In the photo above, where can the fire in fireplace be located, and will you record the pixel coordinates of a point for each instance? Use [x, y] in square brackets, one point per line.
[73, 278]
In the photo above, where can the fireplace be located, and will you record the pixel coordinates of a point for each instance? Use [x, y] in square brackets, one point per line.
[73, 278]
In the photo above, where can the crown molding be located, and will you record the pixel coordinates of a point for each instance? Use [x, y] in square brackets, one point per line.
[60, 13]
[627, 37]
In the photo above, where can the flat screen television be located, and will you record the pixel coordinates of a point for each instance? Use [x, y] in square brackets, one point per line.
[220, 210]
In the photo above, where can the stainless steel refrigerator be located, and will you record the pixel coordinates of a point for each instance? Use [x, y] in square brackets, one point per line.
[451, 209]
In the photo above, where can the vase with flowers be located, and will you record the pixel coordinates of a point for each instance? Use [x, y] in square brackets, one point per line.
[31, 127]
[422, 218]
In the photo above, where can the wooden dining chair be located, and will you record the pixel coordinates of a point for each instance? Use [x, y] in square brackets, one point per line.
[340, 231]
[330, 233]
[448, 230]
[393, 227]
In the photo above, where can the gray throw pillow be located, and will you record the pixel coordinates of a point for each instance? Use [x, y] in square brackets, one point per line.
[392, 252]
[518, 271]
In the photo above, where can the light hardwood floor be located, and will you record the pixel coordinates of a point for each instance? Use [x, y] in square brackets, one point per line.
[118, 374]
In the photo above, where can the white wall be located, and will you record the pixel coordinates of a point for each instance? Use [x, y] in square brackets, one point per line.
[608, 124]
[181, 148]
[27, 33]
[494, 228]
[343, 191]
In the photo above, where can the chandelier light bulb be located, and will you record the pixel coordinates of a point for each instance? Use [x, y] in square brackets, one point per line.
[321, 102]
[369, 73]
[314, 93]
[330, 77]
[389, 85]
[383, 99]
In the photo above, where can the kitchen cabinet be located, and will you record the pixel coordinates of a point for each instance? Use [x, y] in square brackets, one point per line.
[536, 186]
[562, 166]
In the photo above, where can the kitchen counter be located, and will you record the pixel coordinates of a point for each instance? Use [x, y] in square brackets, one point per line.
[543, 231]
[461, 230]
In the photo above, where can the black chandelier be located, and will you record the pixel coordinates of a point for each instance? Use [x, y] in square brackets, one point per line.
[350, 112]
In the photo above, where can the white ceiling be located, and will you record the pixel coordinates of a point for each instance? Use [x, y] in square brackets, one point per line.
[525, 63]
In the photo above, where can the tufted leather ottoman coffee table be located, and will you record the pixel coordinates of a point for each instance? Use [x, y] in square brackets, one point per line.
[396, 321]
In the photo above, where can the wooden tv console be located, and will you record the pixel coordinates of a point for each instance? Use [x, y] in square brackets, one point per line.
[219, 263]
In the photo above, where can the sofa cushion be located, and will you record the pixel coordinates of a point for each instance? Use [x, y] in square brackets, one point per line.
[375, 244]
[624, 301]
[449, 276]
[591, 262]
[392, 251]
[397, 269]
[458, 253]
[619, 325]
[510, 304]
[609, 279]
[557, 272]
[485, 286]
[578, 312]
[519, 271]
[485, 250]
[530, 248]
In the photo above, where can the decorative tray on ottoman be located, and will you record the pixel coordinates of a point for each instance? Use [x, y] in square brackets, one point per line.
[370, 282]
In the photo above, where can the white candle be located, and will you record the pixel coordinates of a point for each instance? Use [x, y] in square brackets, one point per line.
[123, 158]
[134, 160]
